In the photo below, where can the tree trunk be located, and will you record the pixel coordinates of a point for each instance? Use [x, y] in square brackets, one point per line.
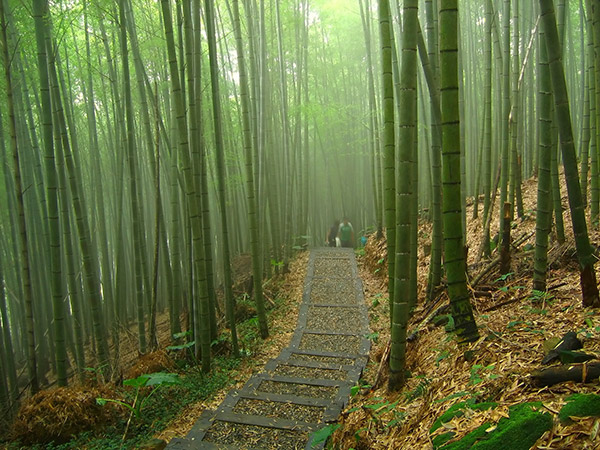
[544, 194]
[505, 118]
[139, 254]
[407, 98]
[202, 329]
[563, 115]
[435, 264]
[454, 259]
[389, 188]
[9, 354]
[252, 211]
[594, 11]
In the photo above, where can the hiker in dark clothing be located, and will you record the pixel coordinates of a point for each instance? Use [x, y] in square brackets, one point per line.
[346, 233]
[332, 234]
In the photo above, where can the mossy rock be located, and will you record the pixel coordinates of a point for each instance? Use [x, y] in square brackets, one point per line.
[458, 410]
[580, 405]
[520, 431]
[441, 439]
[471, 439]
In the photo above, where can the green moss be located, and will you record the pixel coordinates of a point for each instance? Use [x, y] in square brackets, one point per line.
[441, 439]
[457, 410]
[470, 440]
[520, 431]
[580, 405]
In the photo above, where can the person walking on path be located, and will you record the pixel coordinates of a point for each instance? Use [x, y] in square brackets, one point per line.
[333, 233]
[346, 233]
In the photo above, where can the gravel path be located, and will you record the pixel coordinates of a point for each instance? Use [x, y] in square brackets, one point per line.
[308, 385]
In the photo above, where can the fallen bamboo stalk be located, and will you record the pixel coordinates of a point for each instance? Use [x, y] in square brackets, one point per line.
[580, 373]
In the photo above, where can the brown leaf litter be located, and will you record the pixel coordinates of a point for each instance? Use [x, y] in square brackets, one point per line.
[158, 361]
[60, 413]
[282, 323]
[513, 324]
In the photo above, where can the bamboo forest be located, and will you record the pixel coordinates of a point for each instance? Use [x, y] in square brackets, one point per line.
[299, 224]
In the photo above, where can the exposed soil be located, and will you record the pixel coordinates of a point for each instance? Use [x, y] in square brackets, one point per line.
[332, 292]
[332, 319]
[322, 359]
[333, 267]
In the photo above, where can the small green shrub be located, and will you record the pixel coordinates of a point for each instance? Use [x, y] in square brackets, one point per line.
[321, 435]
[419, 390]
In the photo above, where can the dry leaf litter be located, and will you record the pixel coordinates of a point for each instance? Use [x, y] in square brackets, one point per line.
[513, 325]
[282, 323]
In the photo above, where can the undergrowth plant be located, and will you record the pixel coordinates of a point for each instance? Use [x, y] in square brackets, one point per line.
[478, 372]
[379, 263]
[159, 409]
[153, 381]
[187, 348]
[378, 409]
[321, 435]
[420, 390]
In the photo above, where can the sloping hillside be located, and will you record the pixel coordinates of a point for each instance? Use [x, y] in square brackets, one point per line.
[517, 327]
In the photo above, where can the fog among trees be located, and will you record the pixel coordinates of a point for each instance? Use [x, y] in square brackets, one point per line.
[147, 144]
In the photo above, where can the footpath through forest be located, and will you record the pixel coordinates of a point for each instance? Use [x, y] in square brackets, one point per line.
[308, 384]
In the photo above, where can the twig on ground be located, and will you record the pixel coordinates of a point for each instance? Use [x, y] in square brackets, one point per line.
[382, 365]
[514, 344]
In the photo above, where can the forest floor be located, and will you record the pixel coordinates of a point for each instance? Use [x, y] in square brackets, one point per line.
[517, 327]
[282, 324]
[70, 418]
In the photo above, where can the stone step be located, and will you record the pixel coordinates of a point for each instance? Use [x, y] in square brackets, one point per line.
[308, 384]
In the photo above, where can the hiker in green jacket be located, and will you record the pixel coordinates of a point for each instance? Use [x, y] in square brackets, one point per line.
[346, 233]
